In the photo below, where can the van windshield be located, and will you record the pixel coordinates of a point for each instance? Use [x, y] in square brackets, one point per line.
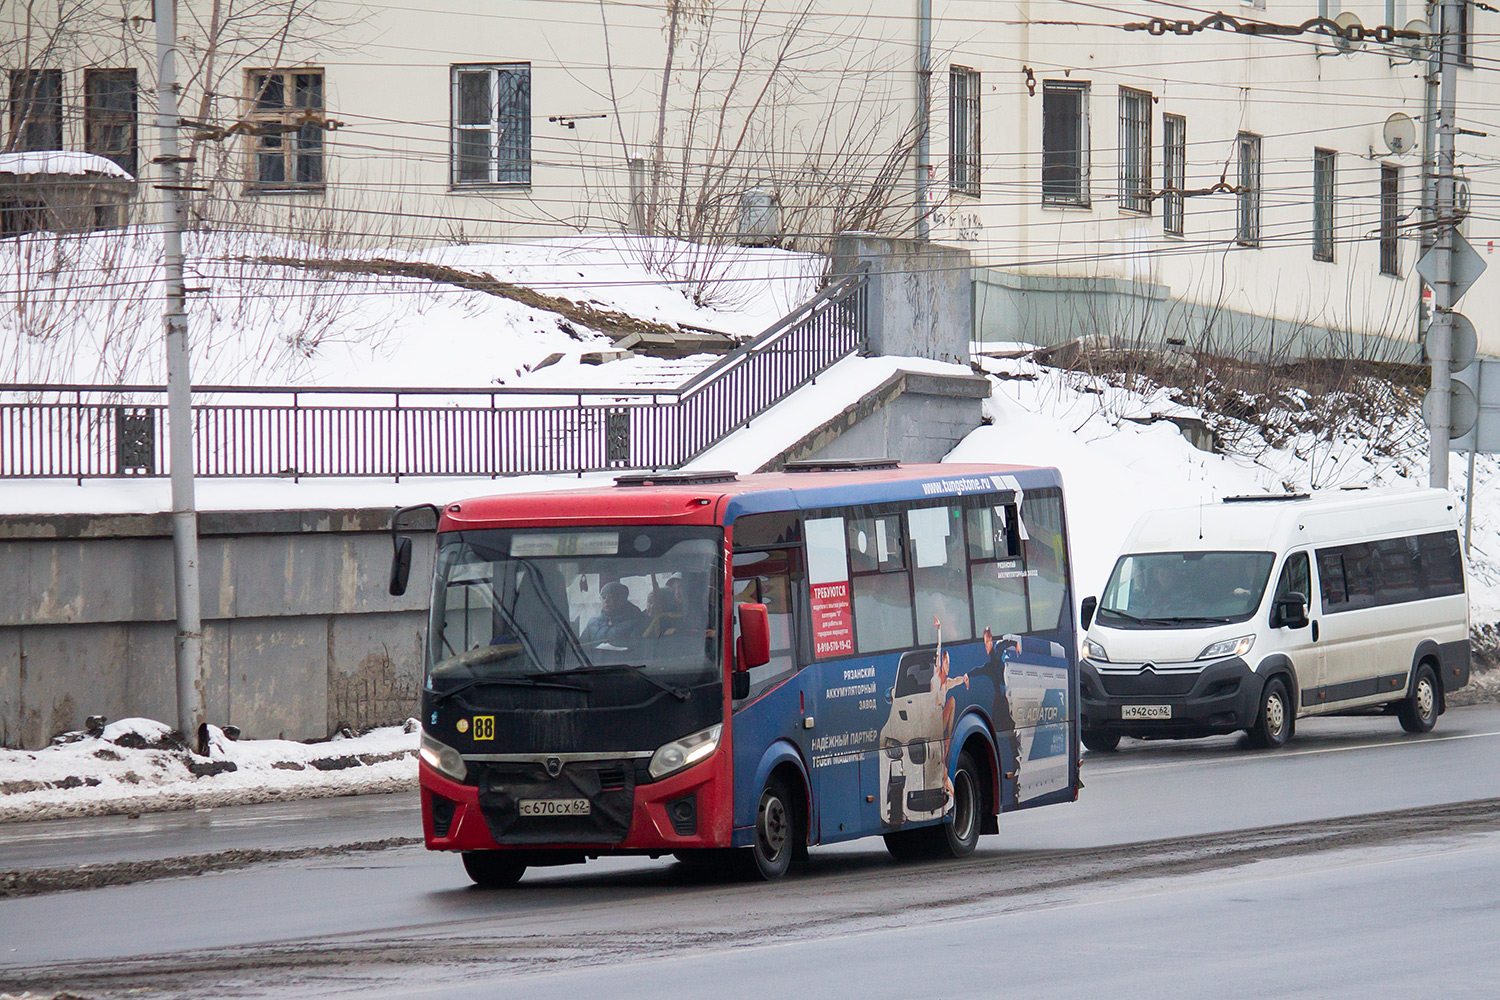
[1184, 589]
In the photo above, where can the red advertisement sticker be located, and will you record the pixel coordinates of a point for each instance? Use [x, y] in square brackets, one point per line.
[833, 633]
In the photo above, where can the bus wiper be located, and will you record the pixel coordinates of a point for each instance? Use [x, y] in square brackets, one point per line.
[438, 697]
[639, 669]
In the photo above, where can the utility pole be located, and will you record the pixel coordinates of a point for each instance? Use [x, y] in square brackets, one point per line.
[1440, 328]
[924, 117]
[191, 685]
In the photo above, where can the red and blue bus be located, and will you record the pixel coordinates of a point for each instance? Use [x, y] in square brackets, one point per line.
[731, 669]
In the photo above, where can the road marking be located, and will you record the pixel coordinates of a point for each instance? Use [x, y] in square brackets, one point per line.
[1290, 753]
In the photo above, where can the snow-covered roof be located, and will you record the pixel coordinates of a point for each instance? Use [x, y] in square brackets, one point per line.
[60, 161]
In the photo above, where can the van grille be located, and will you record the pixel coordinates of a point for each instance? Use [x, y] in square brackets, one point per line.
[1148, 682]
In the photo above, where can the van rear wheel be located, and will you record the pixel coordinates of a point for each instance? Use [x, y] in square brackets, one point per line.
[1419, 711]
[1273, 725]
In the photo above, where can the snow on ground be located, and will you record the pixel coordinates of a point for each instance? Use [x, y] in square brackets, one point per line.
[131, 766]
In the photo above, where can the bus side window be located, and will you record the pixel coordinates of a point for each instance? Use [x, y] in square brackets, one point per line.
[937, 535]
[770, 578]
[1046, 557]
[881, 583]
[997, 573]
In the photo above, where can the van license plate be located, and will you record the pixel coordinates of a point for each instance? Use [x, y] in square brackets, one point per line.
[554, 807]
[1146, 711]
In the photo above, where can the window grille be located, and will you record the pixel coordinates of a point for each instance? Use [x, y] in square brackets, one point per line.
[1323, 168]
[963, 130]
[491, 111]
[1174, 173]
[1390, 211]
[1135, 150]
[1065, 143]
[1247, 233]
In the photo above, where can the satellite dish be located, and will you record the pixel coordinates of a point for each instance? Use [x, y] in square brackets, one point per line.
[1348, 19]
[1400, 134]
[1416, 48]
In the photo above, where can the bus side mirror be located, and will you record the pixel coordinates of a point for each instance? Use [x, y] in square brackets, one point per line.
[1086, 616]
[755, 637]
[400, 564]
[1290, 611]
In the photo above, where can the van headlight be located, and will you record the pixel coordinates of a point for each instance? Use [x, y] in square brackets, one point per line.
[443, 758]
[689, 750]
[1094, 651]
[1229, 647]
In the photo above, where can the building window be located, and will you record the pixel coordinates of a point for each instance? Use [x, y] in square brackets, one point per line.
[1247, 233]
[963, 130]
[1174, 173]
[287, 110]
[1065, 143]
[1323, 164]
[1135, 150]
[1465, 34]
[109, 128]
[491, 125]
[35, 109]
[1390, 211]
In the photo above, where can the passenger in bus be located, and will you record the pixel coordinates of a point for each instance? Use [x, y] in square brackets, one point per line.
[619, 622]
[664, 612]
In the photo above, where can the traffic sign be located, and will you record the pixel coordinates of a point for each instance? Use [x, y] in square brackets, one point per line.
[1479, 385]
[1467, 266]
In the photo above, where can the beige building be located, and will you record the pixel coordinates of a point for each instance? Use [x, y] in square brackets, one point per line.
[1214, 188]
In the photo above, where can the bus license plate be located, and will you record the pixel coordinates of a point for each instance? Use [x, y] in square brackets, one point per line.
[554, 807]
[1146, 711]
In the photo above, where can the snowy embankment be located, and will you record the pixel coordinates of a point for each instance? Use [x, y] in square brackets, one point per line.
[137, 765]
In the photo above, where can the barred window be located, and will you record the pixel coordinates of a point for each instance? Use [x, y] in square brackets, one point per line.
[36, 119]
[491, 110]
[1065, 143]
[1247, 233]
[1323, 166]
[963, 130]
[109, 109]
[1390, 212]
[1174, 173]
[1135, 150]
[287, 110]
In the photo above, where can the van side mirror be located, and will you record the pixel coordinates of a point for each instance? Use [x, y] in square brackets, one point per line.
[1086, 612]
[1290, 611]
[400, 564]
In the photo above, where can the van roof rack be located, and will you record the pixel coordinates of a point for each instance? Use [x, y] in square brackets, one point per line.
[1267, 498]
[677, 478]
[841, 465]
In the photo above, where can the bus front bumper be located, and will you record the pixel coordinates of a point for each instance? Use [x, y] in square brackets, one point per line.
[1222, 697]
[691, 809]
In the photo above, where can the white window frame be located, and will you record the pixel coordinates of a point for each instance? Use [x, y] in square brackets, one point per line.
[1081, 197]
[502, 171]
[1135, 194]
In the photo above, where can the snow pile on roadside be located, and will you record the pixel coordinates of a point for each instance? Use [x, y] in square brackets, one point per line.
[137, 765]
[1121, 455]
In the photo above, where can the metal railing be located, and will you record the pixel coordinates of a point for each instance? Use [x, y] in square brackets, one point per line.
[258, 431]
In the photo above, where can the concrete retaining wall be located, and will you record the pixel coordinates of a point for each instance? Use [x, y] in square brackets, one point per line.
[300, 635]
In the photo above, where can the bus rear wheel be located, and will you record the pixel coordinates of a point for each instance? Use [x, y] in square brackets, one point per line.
[493, 869]
[1419, 711]
[955, 838]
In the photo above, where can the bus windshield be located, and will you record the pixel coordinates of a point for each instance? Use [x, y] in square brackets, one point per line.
[617, 616]
[1184, 589]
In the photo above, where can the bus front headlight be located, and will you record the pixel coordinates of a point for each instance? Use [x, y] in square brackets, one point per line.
[1229, 647]
[689, 750]
[443, 758]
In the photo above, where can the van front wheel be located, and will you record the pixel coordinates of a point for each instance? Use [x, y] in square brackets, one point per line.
[1100, 741]
[1273, 724]
[1419, 711]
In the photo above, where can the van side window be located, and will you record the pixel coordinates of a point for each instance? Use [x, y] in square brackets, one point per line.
[1296, 577]
[942, 586]
[771, 578]
[996, 571]
[881, 583]
[1390, 571]
[1046, 557]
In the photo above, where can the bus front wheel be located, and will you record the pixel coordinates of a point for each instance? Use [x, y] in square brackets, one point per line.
[493, 869]
[775, 832]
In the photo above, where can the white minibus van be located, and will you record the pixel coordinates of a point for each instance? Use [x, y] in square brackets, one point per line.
[1250, 612]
